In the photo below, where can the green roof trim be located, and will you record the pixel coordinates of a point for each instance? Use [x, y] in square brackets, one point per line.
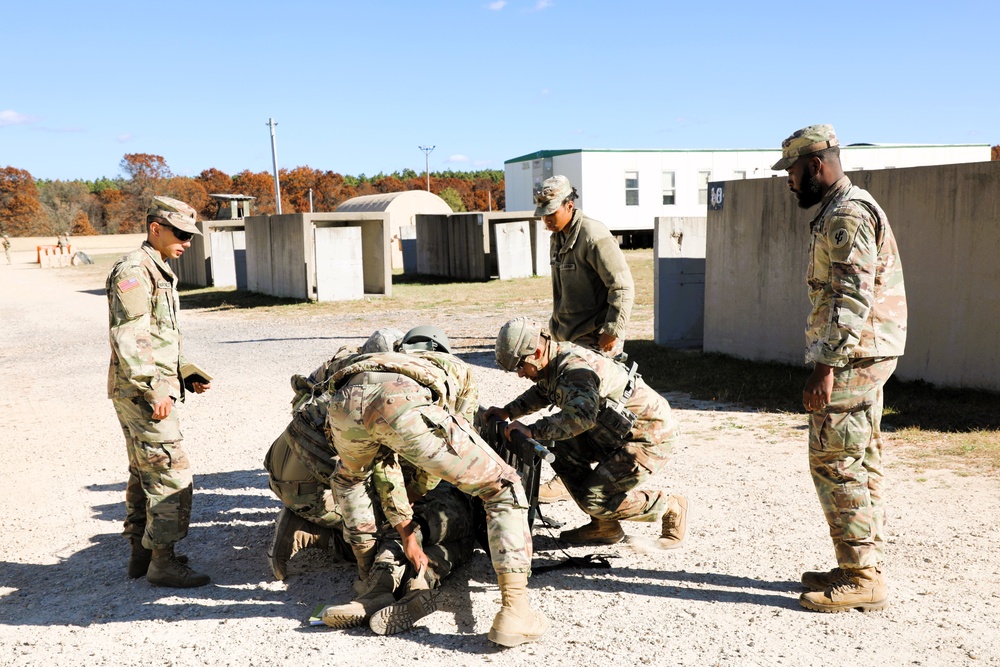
[538, 155]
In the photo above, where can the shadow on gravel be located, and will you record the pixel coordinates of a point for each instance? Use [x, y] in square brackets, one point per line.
[231, 527]
[95, 292]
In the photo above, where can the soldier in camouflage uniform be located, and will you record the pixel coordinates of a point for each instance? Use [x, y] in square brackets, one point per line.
[419, 406]
[592, 287]
[144, 382]
[855, 332]
[611, 433]
[6, 247]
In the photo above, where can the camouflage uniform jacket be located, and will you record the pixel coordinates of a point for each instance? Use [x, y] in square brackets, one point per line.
[577, 380]
[453, 388]
[592, 288]
[855, 281]
[146, 347]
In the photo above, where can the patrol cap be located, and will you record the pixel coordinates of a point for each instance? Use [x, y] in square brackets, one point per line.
[382, 340]
[550, 195]
[177, 214]
[803, 142]
[517, 340]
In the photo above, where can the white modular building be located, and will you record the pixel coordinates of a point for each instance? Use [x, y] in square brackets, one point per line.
[628, 189]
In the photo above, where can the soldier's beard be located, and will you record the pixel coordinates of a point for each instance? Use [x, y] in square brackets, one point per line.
[810, 193]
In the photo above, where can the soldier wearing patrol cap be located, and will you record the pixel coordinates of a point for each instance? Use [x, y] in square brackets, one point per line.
[144, 382]
[592, 287]
[854, 334]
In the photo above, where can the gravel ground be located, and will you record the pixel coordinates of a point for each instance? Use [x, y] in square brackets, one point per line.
[728, 598]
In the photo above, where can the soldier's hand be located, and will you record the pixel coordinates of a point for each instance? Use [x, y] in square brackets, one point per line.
[819, 387]
[607, 342]
[201, 387]
[495, 413]
[519, 427]
[411, 545]
[162, 408]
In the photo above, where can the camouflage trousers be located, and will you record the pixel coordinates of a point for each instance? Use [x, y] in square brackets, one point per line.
[296, 477]
[601, 471]
[159, 489]
[845, 458]
[446, 534]
[400, 416]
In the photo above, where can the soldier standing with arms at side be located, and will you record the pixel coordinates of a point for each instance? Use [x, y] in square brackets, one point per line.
[144, 381]
[6, 246]
[611, 433]
[854, 334]
[592, 287]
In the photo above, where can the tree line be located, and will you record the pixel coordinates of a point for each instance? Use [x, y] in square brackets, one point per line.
[30, 207]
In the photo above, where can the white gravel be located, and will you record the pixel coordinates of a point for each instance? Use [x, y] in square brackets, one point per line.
[728, 598]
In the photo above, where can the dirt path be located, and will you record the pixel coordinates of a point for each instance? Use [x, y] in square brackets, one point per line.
[729, 598]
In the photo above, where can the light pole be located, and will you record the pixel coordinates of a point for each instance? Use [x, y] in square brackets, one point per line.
[274, 162]
[427, 163]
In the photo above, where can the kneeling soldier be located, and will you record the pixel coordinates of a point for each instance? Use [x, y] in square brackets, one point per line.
[420, 405]
[611, 433]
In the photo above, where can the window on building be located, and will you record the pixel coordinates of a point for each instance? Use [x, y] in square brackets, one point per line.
[739, 175]
[669, 187]
[631, 188]
[703, 177]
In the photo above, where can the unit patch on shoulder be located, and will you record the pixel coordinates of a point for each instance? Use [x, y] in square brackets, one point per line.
[839, 236]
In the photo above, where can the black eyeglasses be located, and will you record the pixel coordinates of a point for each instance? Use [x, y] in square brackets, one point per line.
[181, 235]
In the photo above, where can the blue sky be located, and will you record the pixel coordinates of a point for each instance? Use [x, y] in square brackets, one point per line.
[356, 87]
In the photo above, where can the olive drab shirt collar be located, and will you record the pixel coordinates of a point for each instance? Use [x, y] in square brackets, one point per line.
[567, 237]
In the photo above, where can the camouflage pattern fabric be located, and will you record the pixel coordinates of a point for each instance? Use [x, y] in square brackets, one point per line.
[446, 534]
[159, 488]
[600, 470]
[146, 355]
[292, 478]
[421, 426]
[592, 288]
[146, 348]
[855, 281]
[845, 458]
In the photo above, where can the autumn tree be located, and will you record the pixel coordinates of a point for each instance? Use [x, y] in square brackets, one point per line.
[189, 190]
[21, 212]
[145, 176]
[119, 215]
[82, 226]
[259, 185]
[63, 202]
[995, 153]
[215, 182]
[295, 187]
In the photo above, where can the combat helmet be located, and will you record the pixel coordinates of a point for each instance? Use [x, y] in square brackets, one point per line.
[517, 340]
[383, 340]
[425, 338]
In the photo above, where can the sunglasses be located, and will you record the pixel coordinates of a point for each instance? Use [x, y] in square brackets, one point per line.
[181, 235]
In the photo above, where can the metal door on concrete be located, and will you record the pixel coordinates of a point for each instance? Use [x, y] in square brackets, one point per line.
[229, 259]
[511, 243]
[680, 292]
[339, 266]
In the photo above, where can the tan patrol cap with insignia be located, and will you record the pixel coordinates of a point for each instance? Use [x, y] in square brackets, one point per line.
[803, 142]
[177, 214]
[551, 194]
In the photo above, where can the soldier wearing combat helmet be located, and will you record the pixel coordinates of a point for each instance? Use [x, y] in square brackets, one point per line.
[611, 433]
[854, 334]
[144, 382]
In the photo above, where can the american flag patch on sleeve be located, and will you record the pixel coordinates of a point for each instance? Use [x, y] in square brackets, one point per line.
[127, 284]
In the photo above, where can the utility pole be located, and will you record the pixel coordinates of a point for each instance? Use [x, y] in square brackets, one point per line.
[427, 163]
[274, 162]
[310, 200]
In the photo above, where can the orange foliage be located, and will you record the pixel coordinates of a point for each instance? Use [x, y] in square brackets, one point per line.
[188, 190]
[118, 213]
[20, 207]
[82, 226]
[995, 153]
[259, 185]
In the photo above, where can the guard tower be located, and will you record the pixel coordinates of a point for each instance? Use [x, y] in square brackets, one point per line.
[232, 207]
[218, 257]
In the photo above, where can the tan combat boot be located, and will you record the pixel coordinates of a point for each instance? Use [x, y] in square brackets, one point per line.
[418, 602]
[292, 533]
[553, 491]
[377, 594]
[167, 569]
[598, 531]
[517, 622]
[820, 581]
[863, 589]
[674, 523]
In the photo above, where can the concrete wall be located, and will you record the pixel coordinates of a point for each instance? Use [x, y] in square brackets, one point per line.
[947, 224]
[679, 282]
[281, 252]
